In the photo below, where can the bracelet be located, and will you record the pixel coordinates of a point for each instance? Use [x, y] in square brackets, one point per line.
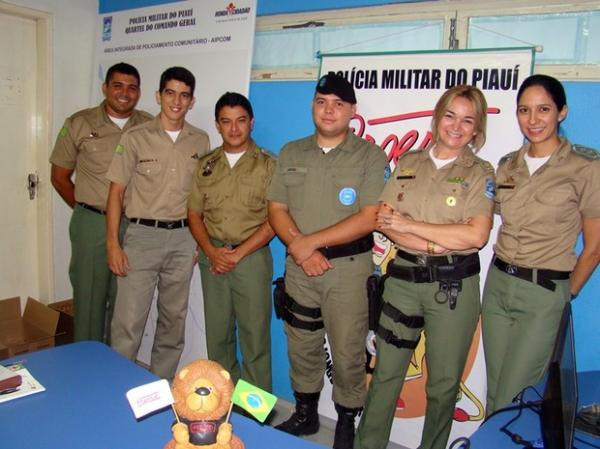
[430, 248]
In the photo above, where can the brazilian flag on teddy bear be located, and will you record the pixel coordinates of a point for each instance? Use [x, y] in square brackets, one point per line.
[254, 400]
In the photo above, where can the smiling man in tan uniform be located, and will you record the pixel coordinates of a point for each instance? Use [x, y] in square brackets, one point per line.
[151, 178]
[227, 210]
[85, 145]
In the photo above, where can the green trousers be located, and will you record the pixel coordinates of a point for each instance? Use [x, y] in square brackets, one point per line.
[342, 297]
[94, 286]
[519, 324]
[448, 333]
[240, 300]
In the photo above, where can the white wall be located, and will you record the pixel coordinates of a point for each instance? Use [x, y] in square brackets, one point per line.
[73, 46]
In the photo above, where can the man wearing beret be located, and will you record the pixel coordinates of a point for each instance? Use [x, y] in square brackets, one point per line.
[322, 205]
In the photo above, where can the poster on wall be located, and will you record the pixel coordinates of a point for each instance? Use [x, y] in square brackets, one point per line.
[214, 40]
[396, 94]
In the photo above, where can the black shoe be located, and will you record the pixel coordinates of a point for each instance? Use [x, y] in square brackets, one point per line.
[344, 429]
[305, 420]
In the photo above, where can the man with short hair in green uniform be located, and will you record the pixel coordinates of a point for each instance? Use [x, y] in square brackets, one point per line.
[322, 205]
[85, 145]
[151, 178]
[227, 212]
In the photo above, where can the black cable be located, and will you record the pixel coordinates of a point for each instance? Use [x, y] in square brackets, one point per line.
[464, 441]
[532, 405]
[519, 397]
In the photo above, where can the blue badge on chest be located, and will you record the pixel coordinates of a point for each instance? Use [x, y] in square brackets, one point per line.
[490, 188]
[347, 196]
[387, 173]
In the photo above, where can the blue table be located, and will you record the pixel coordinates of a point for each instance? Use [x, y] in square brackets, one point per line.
[84, 406]
[489, 436]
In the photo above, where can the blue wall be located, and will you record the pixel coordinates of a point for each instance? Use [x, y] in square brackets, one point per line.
[282, 111]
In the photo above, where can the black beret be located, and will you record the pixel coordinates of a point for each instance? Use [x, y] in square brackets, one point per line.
[336, 85]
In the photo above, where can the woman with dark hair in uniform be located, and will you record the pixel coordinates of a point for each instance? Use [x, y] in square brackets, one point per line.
[437, 209]
[547, 193]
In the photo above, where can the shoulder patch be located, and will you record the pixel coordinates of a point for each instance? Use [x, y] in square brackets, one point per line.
[507, 157]
[63, 132]
[120, 149]
[586, 152]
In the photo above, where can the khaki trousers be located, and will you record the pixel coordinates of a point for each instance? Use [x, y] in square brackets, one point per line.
[163, 259]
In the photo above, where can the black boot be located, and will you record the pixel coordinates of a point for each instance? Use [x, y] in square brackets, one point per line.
[344, 429]
[305, 420]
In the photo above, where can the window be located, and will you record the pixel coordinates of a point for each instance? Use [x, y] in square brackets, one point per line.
[287, 46]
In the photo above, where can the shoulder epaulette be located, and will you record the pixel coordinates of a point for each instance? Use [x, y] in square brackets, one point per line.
[507, 157]
[417, 151]
[208, 155]
[485, 164]
[268, 153]
[145, 114]
[586, 152]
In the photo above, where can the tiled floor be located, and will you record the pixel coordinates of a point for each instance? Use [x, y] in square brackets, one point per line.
[324, 436]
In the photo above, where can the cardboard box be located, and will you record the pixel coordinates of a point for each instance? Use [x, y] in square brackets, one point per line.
[33, 331]
[64, 329]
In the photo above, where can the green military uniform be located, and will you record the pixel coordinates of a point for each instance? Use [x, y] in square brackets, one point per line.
[157, 173]
[320, 190]
[457, 191]
[232, 203]
[86, 144]
[541, 218]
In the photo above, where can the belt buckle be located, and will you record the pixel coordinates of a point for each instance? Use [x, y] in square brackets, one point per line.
[421, 259]
[170, 225]
[229, 246]
[511, 269]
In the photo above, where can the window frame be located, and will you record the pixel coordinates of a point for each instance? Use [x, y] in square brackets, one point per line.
[453, 13]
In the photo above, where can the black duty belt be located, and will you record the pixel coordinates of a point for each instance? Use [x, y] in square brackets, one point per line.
[228, 245]
[176, 224]
[466, 267]
[358, 246]
[544, 278]
[92, 208]
[423, 259]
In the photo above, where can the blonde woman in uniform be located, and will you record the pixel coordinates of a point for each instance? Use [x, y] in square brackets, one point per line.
[437, 208]
[548, 192]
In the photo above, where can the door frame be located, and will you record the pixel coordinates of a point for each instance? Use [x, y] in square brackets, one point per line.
[42, 145]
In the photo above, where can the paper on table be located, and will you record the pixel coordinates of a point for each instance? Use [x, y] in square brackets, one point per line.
[28, 385]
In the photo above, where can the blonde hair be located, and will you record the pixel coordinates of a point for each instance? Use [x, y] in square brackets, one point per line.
[477, 99]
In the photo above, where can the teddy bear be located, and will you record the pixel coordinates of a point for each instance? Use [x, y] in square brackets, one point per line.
[202, 392]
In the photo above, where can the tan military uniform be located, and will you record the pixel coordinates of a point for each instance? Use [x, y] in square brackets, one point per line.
[86, 144]
[450, 195]
[541, 219]
[232, 200]
[233, 205]
[320, 190]
[542, 214]
[460, 190]
[157, 173]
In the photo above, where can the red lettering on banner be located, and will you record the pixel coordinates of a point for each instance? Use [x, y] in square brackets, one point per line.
[394, 146]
